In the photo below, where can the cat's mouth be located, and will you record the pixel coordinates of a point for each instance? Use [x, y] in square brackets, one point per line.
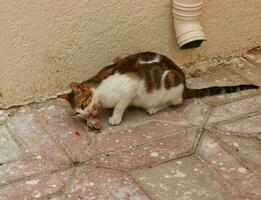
[86, 115]
[90, 114]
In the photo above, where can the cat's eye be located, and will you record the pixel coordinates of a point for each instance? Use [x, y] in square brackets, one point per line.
[82, 107]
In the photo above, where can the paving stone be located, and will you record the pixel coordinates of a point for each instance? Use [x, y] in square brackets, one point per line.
[235, 109]
[133, 136]
[9, 150]
[248, 70]
[54, 198]
[229, 167]
[158, 151]
[34, 137]
[37, 187]
[215, 76]
[103, 184]
[118, 185]
[249, 126]
[227, 98]
[186, 178]
[65, 130]
[207, 74]
[20, 169]
[254, 56]
[242, 197]
[185, 114]
[249, 149]
[83, 186]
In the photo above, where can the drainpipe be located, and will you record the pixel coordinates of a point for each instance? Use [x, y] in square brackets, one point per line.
[186, 14]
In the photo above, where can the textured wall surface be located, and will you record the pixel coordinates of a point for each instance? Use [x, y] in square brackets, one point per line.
[46, 44]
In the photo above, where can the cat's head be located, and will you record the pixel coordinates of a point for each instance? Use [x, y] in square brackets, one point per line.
[81, 99]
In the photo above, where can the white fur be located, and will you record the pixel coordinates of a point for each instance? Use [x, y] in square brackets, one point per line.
[119, 91]
[154, 60]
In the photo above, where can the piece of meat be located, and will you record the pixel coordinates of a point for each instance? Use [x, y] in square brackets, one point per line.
[93, 122]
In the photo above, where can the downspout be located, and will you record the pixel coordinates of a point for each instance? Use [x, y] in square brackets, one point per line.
[189, 32]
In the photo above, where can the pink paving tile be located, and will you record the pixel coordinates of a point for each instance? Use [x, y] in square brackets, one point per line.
[154, 152]
[34, 137]
[118, 185]
[185, 113]
[135, 135]
[37, 187]
[98, 183]
[249, 126]
[65, 130]
[235, 109]
[17, 170]
[83, 186]
[229, 167]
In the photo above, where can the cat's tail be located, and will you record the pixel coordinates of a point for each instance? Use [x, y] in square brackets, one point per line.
[210, 91]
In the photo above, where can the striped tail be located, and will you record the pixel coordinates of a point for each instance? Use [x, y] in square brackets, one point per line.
[192, 93]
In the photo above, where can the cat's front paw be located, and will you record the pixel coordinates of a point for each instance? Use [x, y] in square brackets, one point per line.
[152, 111]
[114, 121]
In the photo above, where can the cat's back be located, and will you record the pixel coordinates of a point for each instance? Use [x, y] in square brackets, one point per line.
[152, 68]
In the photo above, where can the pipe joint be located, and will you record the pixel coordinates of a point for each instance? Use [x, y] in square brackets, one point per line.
[186, 15]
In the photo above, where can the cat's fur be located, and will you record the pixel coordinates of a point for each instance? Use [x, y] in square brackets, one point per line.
[147, 80]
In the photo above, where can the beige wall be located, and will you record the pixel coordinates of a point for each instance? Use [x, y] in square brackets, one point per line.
[45, 44]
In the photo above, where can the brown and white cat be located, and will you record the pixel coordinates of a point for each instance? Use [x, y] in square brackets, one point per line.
[147, 80]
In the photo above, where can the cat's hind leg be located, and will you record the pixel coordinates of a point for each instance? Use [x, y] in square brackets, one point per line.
[154, 110]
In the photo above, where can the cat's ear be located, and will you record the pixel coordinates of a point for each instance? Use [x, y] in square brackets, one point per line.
[76, 87]
[63, 96]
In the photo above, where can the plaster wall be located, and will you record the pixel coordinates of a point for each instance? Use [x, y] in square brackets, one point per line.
[46, 44]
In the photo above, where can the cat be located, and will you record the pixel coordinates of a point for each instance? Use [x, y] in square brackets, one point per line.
[146, 80]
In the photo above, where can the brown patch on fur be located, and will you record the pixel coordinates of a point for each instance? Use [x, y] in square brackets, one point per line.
[134, 76]
[86, 86]
[156, 73]
[107, 71]
[75, 86]
[118, 59]
[170, 80]
[102, 75]
[149, 84]
[81, 95]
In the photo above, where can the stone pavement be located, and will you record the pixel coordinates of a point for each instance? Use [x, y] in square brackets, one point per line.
[205, 149]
